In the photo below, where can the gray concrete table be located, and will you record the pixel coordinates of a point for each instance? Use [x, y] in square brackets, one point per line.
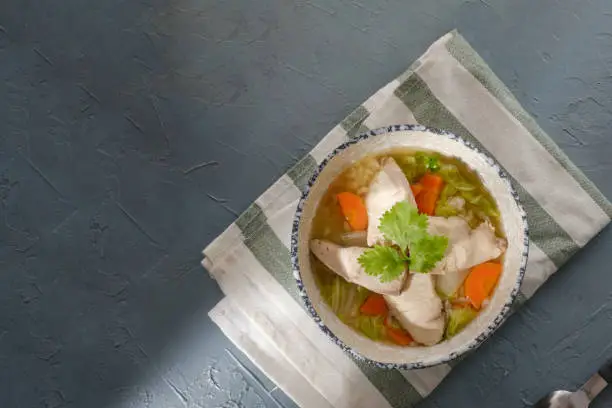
[133, 132]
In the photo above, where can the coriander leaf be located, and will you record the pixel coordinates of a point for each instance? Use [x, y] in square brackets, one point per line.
[428, 162]
[426, 252]
[385, 262]
[403, 224]
[432, 164]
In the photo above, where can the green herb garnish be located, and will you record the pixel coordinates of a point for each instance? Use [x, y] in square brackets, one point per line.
[430, 162]
[385, 261]
[403, 224]
[404, 227]
[426, 252]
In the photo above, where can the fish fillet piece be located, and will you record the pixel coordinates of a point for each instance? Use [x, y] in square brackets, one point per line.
[388, 188]
[344, 262]
[419, 309]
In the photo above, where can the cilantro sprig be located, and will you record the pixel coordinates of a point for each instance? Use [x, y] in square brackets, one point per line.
[406, 229]
[385, 261]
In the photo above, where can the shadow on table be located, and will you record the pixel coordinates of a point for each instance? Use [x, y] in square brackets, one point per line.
[104, 209]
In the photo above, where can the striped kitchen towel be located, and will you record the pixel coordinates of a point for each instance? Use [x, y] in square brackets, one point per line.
[450, 87]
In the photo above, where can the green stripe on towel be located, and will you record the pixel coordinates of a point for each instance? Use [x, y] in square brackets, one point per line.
[354, 119]
[356, 131]
[267, 248]
[428, 111]
[301, 173]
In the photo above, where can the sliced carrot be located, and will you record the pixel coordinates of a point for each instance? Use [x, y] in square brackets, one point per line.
[354, 210]
[480, 282]
[416, 189]
[432, 187]
[374, 305]
[396, 333]
[399, 336]
[432, 182]
[426, 202]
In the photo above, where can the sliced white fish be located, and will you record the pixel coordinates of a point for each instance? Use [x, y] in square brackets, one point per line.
[428, 333]
[388, 188]
[419, 309]
[465, 251]
[457, 230]
[454, 228]
[343, 261]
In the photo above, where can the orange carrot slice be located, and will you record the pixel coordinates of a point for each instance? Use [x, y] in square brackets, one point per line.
[374, 305]
[432, 187]
[432, 182]
[416, 189]
[354, 210]
[480, 282]
[426, 202]
[399, 336]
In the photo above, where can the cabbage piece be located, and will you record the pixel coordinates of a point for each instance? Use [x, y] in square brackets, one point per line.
[372, 326]
[477, 200]
[448, 191]
[410, 167]
[459, 318]
[338, 294]
[443, 209]
[344, 298]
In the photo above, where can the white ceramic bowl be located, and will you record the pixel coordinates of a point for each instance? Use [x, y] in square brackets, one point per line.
[513, 221]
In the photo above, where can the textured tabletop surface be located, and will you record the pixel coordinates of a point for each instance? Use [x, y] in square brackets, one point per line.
[133, 132]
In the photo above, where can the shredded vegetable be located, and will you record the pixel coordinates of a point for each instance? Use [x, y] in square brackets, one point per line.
[476, 199]
[372, 326]
[458, 318]
[343, 298]
[456, 184]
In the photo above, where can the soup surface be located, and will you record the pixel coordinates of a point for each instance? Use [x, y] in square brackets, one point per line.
[392, 302]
